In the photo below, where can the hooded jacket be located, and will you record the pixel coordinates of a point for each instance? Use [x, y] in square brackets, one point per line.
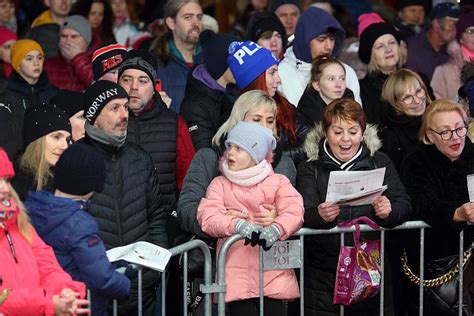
[322, 251]
[242, 276]
[34, 278]
[65, 225]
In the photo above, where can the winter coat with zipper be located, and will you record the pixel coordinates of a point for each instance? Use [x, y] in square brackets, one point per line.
[16, 97]
[65, 225]
[203, 169]
[400, 134]
[11, 122]
[322, 251]
[130, 207]
[75, 75]
[34, 278]
[242, 276]
[164, 135]
[205, 107]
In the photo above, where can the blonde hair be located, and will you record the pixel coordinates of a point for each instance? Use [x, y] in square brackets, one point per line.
[246, 102]
[34, 162]
[400, 82]
[373, 68]
[23, 221]
[438, 106]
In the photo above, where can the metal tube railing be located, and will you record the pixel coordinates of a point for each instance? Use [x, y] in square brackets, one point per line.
[221, 286]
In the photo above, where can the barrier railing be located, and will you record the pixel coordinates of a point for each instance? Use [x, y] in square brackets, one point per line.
[311, 232]
[219, 287]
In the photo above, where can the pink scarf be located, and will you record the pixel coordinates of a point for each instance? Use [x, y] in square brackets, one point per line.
[467, 54]
[249, 176]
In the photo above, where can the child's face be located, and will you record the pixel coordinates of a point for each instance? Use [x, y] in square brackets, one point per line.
[238, 159]
[31, 66]
[332, 83]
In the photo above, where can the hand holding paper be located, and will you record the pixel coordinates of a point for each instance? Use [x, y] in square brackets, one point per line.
[382, 207]
[328, 211]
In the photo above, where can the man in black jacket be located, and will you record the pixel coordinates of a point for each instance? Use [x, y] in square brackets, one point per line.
[130, 207]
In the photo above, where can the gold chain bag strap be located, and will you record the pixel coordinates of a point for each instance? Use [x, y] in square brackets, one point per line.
[439, 280]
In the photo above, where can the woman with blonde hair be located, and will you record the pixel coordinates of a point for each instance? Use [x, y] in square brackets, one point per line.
[407, 98]
[435, 178]
[33, 283]
[46, 134]
[256, 106]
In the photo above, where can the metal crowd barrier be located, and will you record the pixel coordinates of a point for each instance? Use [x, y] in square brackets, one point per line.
[219, 287]
[299, 262]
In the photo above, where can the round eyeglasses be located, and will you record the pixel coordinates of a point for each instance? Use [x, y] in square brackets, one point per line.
[410, 98]
[447, 134]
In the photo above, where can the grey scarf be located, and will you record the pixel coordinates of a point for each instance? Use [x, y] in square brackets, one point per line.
[104, 138]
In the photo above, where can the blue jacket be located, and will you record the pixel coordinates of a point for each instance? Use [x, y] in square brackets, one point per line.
[173, 76]
[74, 235]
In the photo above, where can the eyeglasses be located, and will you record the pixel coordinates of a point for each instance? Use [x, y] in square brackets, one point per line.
[409, 99]
[469, 31]
[447, 134]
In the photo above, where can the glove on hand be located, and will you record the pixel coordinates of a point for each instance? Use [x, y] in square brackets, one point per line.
[268, 236]
[250, 232]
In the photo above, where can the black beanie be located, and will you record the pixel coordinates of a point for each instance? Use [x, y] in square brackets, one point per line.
[79, 170]
[40, 120]
[98, 95]
[141, 60]
[370, 35]
[261, 22]
[215, 50]
[69, 101]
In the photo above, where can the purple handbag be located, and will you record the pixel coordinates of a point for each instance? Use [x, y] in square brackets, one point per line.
[358, 273]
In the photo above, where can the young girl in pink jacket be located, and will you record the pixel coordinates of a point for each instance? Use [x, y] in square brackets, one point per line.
[248, 184]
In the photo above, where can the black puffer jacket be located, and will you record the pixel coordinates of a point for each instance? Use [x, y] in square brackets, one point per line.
[204, 109]
[322, 251]
[11, 122]
[400, 134]
[130, 208]
[31, 94]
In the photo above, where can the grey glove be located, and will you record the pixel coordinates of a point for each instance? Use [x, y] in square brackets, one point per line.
[250, 232]
[268, 236]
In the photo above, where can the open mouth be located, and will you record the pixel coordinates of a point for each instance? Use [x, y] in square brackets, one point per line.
[455, 147]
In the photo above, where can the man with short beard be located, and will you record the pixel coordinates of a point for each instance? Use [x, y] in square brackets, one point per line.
[178, 49]
[129, 208]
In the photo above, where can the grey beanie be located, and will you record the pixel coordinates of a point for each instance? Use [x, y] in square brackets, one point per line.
[255, 139]
[79, 24]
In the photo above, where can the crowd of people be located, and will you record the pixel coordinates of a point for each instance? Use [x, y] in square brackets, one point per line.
[119, 126]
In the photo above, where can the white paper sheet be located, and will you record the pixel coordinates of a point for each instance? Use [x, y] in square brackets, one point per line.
[470, 187]
[355, 187]
[142, 253]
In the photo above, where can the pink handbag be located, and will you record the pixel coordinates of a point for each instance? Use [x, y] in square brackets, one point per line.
[358, 273]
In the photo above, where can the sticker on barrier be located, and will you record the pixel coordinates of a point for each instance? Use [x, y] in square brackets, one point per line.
[283, 255]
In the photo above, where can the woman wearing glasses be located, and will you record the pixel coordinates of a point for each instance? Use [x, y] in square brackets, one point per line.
[435, 178]
[407, 99]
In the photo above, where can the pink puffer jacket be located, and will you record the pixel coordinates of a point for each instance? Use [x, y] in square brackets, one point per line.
[241, 268]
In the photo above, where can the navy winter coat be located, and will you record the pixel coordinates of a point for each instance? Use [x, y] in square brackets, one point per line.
[73, 233]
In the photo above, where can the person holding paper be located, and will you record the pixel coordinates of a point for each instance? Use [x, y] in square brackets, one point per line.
[435, 178]
[248, 184]
[62, 220]
[343, 141]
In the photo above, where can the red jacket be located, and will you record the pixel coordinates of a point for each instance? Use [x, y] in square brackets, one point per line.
[76, 75]
[34, 279]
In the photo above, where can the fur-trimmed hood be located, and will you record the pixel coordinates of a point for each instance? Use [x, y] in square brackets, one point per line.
[314, 137]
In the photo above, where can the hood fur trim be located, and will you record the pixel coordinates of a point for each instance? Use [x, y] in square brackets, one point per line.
[311, 144]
